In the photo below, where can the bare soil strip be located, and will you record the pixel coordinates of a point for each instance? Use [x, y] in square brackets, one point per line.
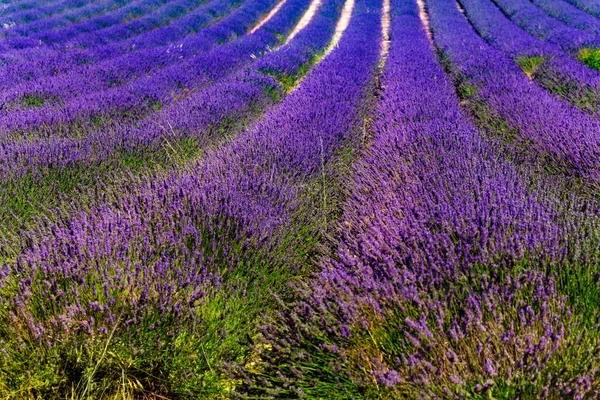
[267, 17]
[306, 18]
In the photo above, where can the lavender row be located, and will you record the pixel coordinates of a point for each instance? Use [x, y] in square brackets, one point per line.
[554, 69]
[60, 43]
[158, 18]
[590, 6]
[41, 12]
[56, 37]
[57, 15]
[432, 206]
[171, 238]
[539, 24]
[18, 6]
[90, 10]
[229, 97]
[56, 21]
[562, 135]
[137, 22]
[158, 88]
[36, 63]
[570, 15]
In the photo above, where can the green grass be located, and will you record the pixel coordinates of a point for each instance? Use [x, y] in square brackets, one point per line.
[590, 57]
[281, 37]
[32, 101]
[530, 64]
[289, 81]
[579, 282]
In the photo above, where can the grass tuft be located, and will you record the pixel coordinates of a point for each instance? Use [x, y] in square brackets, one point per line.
[590, 57]
[32, 101]
[530, 64]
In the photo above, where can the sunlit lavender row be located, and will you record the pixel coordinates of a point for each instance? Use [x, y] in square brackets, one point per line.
[314, 199]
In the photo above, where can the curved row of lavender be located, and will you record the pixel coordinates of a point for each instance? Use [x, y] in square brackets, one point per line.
[570, 15]
[539, 24]
[18, 6]
[16, 41]
[52, 11]
[438, 284]
[552, 68]
[38, 62]
[589, 6]
[117, 19]
[148, 266]
[132, 23]
[536, 123]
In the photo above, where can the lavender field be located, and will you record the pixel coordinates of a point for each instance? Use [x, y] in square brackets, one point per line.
[315, 199]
